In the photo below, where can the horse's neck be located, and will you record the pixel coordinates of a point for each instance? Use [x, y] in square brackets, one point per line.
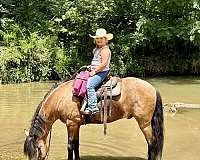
[46, 118]
[51, 107]
[40, 126]
[42, 121]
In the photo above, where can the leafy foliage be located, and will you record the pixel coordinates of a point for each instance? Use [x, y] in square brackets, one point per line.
[30, 58]
[49, 39]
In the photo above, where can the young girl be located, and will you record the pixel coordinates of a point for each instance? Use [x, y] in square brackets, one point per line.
[99, 67]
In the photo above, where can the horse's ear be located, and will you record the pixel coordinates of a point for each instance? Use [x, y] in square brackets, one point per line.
[26, 132]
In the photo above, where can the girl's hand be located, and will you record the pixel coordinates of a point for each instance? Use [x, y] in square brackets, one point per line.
[88, 68]
[92, 73]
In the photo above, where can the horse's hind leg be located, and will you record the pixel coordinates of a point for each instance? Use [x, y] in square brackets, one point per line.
[153, 131]
[148, 134]
[147, 131]
[154, 143]
[73, 139]
[157, 124]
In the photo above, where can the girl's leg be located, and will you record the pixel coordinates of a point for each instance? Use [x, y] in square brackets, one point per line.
[92, 83]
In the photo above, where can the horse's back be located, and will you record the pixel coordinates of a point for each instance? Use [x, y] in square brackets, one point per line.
[138, 82]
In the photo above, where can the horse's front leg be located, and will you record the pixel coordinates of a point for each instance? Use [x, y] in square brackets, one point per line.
[73, 139]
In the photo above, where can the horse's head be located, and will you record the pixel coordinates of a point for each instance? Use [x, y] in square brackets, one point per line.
[35, 148]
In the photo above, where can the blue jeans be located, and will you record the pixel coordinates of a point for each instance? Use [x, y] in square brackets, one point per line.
[92, 83]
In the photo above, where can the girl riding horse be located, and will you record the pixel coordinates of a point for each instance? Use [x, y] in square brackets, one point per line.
[138, 99]
[99, 68]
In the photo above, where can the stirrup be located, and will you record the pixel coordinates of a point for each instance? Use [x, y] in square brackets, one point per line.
[84, 104]
[88, 112]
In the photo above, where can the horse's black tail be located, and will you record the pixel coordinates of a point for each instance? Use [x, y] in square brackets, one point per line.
[156, 147]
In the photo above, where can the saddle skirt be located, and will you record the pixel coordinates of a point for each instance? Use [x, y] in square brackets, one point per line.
[113, 87]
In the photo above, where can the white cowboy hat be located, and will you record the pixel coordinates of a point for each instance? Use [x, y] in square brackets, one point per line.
[102, 33]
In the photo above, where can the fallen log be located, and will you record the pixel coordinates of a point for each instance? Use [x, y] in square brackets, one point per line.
[172, 107]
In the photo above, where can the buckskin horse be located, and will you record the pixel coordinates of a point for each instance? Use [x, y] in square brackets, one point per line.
[138, 99]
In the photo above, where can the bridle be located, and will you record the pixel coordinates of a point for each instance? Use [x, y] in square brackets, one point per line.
[38, 149]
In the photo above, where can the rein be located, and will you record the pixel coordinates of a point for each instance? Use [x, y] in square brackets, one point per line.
[47, 153]
[74, 75]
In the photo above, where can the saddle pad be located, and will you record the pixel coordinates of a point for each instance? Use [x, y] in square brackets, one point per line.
[116, 91]
[114, 83]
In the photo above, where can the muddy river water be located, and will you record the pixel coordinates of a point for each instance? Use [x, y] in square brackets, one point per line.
[124, 140]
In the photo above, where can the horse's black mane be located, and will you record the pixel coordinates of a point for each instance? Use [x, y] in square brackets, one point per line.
[37, 120]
